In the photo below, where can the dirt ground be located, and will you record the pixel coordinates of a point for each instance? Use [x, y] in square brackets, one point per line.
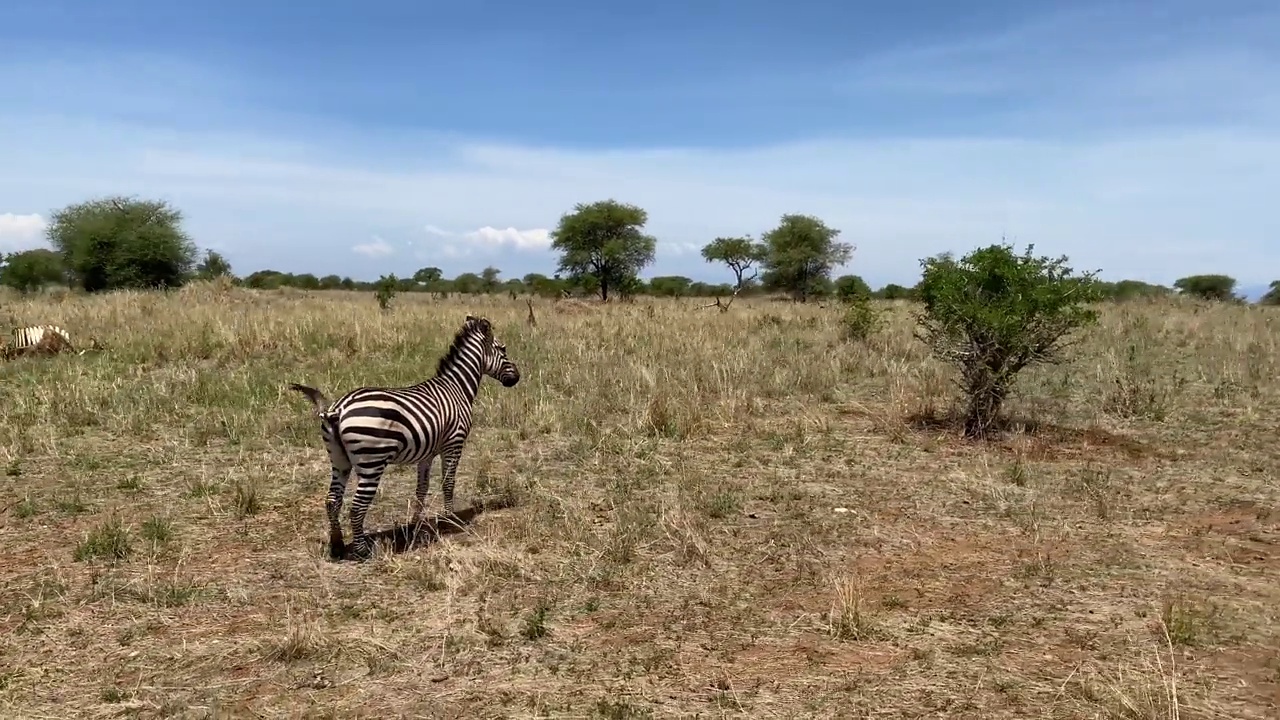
[676, 513]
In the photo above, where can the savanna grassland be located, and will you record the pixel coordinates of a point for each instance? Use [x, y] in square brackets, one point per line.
[677, 512]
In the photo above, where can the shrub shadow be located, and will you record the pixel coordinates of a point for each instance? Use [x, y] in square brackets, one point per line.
[1048, 440]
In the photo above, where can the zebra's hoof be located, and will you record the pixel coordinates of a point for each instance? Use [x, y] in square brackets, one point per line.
[362, 550]
[337, 549]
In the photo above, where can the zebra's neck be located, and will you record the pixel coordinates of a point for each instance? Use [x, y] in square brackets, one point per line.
[461, 366]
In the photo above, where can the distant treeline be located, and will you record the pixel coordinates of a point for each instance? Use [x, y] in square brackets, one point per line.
[489, 282]
[32, 269]
[113, 243]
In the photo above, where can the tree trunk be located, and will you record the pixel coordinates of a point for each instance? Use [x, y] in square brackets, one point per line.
[985, 401]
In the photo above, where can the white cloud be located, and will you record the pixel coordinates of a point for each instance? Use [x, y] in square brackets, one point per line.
[21, 232]
[535, 239]
[484, 241]
[680, 248]
[375, 249]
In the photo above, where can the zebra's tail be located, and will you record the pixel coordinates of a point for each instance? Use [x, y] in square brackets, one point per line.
[316, 397]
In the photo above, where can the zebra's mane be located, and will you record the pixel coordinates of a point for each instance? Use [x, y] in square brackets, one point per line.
[450, 358]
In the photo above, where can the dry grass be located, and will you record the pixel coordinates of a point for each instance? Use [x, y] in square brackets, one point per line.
[735, 514]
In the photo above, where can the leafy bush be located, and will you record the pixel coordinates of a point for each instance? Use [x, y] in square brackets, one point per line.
[1126, 290]
[384, 290]
[30, 270]
[893, 291]
[861, 319]
[851, 287]
[993, 313]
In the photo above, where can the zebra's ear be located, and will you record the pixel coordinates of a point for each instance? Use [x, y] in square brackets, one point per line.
[485, 327]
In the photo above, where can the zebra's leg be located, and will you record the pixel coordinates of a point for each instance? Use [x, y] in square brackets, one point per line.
[449, 470]
[367, 479]
[333, 507]
[421, 492]
[340, 474]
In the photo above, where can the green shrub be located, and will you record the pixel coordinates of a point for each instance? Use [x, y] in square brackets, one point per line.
[850, 288]
[384, 290]
[993, 313]
[861, 319]
[31, 270]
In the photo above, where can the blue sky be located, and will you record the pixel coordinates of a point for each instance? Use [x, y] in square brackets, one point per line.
[1142, 138]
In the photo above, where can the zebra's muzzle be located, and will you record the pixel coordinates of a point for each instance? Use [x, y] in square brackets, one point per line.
[510, 379]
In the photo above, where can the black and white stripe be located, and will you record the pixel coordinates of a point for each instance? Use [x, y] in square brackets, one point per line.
[32, 335]
[370, 428]
[28, 339]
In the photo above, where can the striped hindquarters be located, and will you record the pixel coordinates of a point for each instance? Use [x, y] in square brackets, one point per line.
[401, 425]
[37, 340]
[31, 336]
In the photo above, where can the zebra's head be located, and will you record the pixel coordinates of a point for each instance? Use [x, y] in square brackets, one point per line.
[494, 362]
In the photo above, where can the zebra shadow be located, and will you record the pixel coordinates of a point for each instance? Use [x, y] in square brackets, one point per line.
[401, 538]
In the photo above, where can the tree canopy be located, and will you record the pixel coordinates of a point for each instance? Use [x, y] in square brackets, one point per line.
[31, 269]
[1130, 290]
[214, 265]
[428, 275]
[603, 245]
[118, 242]
[800, 254]
[739, 253]
[852, 287]
[1207, 287]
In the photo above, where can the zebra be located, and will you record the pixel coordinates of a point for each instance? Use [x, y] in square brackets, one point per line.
[369, 428]
[44, 340]
[37, 339]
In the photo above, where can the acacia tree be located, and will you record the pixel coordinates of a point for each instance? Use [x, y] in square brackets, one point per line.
[428, 275]
[800, 254]
[213, 265]
[993, 313]
[603, 241]
[118, 242]
[739, 253]
[489, 279]
[430, 279]
[1207, 287]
